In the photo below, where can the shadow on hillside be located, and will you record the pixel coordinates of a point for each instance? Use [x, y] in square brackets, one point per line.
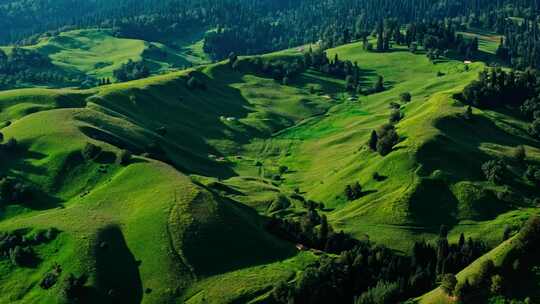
[460, 144]
[20, 160]
[457, 156]
[233, 237]
[117, 273]
[197, 119]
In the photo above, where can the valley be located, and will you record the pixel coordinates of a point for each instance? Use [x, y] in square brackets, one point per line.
[252, 179]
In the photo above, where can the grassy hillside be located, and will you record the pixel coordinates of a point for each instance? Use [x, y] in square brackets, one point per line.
[421, 190]
[97, 53]
[183, 219]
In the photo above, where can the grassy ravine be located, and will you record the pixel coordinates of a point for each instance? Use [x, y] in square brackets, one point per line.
[189, 229]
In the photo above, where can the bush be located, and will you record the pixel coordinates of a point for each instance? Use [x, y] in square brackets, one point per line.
[353, 192]
[395, 117]
[534, 128]
[13, 190]
[387, 139]
[50, 278]
[533, 173]
[90, 151]
[530, 233]
[496, 284]
[405, 97]
[448, 283]
[495, 171]
[72, 288]
[21, 256]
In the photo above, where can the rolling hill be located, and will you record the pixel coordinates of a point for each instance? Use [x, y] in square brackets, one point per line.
[184, 218]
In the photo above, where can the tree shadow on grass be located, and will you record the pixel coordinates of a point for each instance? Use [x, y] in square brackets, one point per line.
[117, 274]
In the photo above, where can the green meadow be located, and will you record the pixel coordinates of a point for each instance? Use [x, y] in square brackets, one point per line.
[189, 227]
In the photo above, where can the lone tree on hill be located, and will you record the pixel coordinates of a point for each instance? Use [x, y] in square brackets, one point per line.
[372, 143]
[379, 85]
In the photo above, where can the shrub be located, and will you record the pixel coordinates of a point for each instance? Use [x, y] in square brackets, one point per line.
[534, 128]
[533, 173]
[496, 284]
[395, 117]
[14, 190]
[530, 233]
[379, 85]
[448, 283]
[50, 278]
[72, 288]
[405, 97]
[353, 192]
[21, 256]
[494, 171]
[387, 139]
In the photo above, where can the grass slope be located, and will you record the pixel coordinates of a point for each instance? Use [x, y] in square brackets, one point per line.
[97, 53]
[187, 228]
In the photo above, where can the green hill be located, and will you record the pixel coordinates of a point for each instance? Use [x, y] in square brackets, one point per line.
[93, 54]
[184, 220]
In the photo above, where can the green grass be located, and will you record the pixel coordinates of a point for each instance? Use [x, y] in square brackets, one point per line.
[97, 53]
[189, 228]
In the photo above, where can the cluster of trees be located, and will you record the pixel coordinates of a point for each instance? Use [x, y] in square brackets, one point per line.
[370, 273]
[132, 70]
[495, 171]
[312, 231]
[533, 174]
[383, 139]
[494, 282]
[14, 190]
[245, 27]
[17, 246]
[23, 66]
[437, 38]
[286, 70]
[498, 88]
[520, 47]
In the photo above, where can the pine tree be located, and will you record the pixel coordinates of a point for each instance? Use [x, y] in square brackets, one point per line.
[373, 141]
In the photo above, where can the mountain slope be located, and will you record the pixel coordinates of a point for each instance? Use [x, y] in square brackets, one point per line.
[184, 219]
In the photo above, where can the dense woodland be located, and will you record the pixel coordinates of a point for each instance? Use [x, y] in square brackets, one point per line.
[257, 26]
[22, 66]
[365, 273]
